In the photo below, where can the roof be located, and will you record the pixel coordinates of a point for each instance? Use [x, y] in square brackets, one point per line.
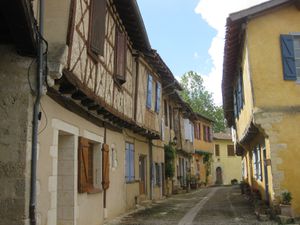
[223, 136]
[233, 43]
[132, 20]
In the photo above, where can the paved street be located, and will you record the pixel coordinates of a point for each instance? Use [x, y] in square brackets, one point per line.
[209, 206]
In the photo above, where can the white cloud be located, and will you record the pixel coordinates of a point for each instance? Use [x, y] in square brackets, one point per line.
[215, 12]
[196, 55]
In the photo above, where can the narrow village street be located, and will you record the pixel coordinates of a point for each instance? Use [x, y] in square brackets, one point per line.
[209, 206]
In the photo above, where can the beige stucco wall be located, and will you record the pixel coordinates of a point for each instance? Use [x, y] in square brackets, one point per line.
[231, 165]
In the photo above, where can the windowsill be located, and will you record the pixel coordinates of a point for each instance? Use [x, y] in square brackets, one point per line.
[132, 182]
[94, 190]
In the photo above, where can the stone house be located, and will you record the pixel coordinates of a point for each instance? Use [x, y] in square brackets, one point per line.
[226, 165]
[261, 96]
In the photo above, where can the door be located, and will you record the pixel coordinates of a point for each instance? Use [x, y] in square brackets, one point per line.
[142, 172]
[219, 178]
[163, 179]
[266, 173]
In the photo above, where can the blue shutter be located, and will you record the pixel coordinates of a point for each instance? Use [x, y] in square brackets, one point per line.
[288, 57]
[131, 162]
[127, 162]
[157, 102]
[149, 92]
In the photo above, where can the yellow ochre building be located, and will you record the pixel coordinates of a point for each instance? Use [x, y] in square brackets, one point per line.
[261, 96]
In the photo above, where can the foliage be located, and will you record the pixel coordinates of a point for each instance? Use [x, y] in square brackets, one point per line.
[170, 154]
[201, 100]
[286, 198]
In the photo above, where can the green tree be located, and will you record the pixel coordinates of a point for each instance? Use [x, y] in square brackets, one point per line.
[201, 100]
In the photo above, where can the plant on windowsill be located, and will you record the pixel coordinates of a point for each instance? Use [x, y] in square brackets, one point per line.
[285, 204]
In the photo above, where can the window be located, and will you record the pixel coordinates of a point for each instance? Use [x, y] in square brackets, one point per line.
[171, 116]
[217, 150]
[238, 94]
[129, 162]
[166, 112]
[97, 28]
[290, 52]
[149, 92]
[158, 96]
[89, 166]
[230, 150]
[120, 57]
[257, 163]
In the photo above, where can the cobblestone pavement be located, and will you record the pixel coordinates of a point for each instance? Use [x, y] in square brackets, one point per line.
[208, 206]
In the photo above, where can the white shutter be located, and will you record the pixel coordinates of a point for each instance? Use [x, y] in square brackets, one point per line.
[186, 129]
[192, 132]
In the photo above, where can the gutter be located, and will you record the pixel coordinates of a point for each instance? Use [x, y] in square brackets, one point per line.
[36, 117]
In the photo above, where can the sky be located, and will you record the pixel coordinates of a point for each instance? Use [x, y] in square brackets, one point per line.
[189, 35]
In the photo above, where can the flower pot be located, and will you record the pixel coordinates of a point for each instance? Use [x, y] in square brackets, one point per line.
[286, 210]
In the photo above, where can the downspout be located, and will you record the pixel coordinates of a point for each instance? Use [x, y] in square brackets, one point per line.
[104, 190]
[151, 169]
[35, 121]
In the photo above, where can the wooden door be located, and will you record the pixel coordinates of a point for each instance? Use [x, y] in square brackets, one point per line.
[143, 176]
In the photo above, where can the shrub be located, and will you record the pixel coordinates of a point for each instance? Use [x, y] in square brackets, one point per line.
[286, 198]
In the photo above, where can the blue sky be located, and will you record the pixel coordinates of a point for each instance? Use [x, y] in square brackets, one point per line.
[189, 35]
[181, 37]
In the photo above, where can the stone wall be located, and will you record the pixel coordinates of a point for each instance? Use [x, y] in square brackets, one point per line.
[15, 137]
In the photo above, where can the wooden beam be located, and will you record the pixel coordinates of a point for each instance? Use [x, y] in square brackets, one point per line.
[79, 95]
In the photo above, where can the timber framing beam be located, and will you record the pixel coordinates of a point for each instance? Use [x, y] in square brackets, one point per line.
[74, 97]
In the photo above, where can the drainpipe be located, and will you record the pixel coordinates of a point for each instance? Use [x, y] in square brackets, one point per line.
[151, 169]
[35, 121]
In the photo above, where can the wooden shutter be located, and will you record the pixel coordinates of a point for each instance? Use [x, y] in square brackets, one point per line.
[230, 150]
[217, 150]
[149, 92]
[97, 26]
[199, 127]
[83, 160]
[105, 166]
[120, 57]
[131, 162]
[288, 57]
[158, 93]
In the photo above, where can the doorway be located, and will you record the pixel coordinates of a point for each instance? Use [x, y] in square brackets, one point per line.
[219, 176]
[65, 179]
[143, 176]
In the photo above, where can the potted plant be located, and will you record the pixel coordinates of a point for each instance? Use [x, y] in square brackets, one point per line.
[285, 204]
